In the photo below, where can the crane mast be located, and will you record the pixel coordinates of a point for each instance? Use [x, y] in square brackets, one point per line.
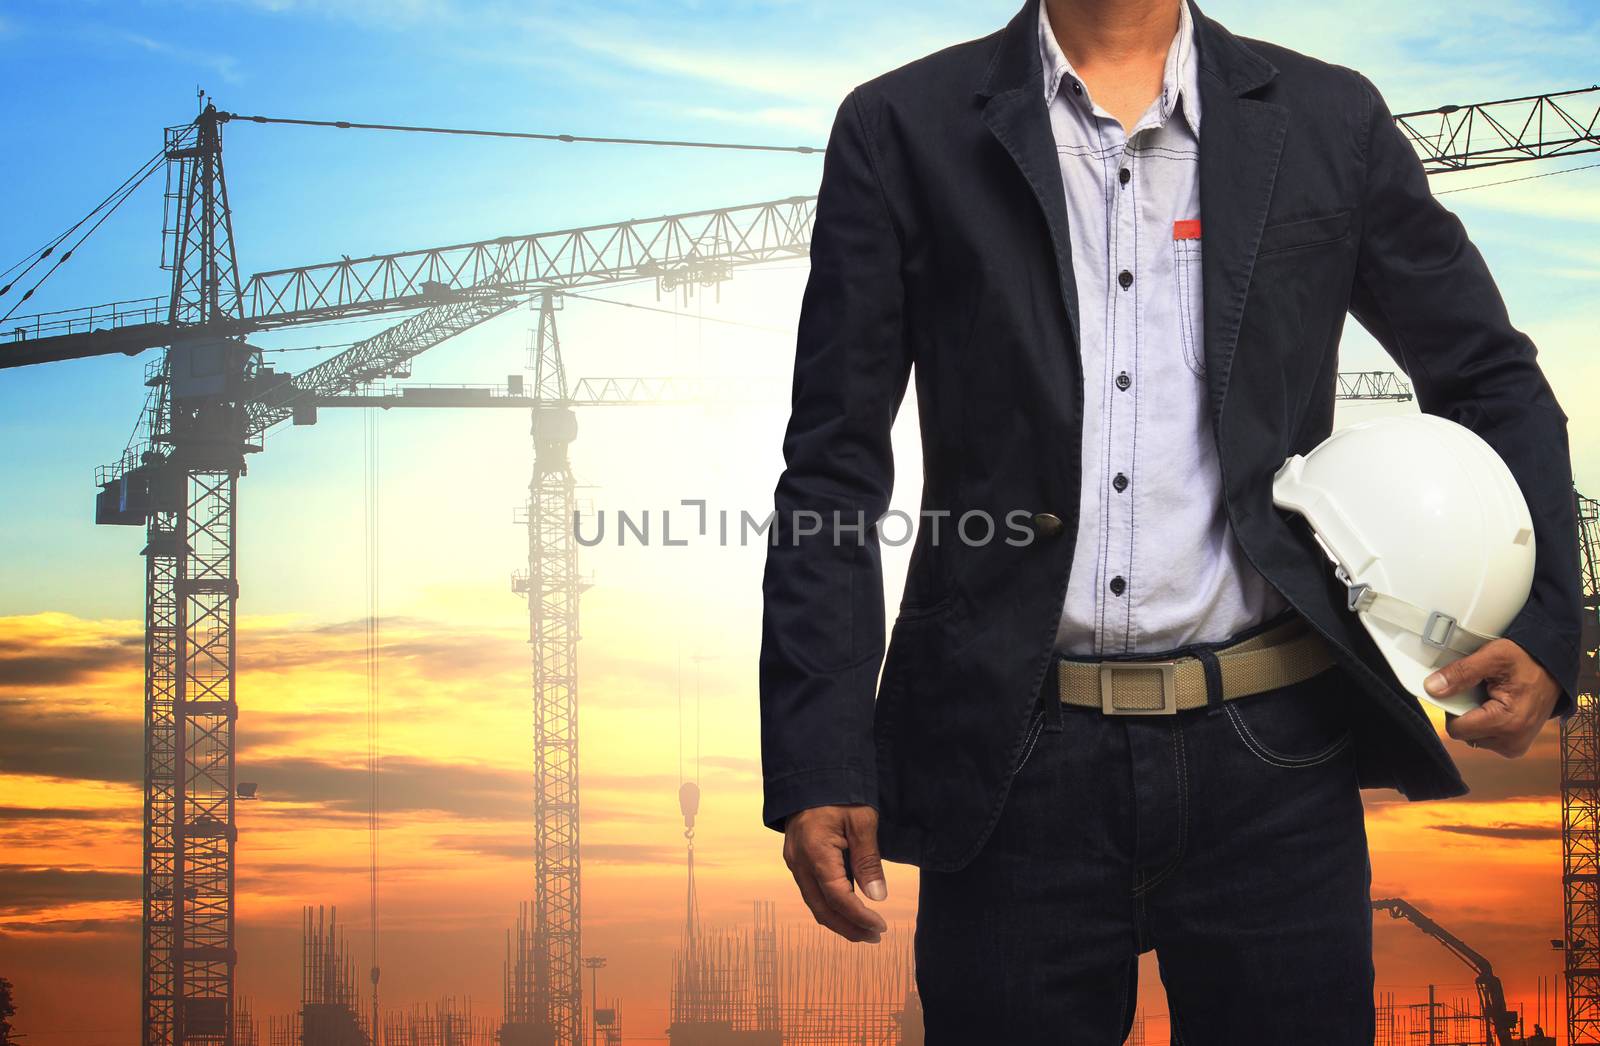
[190, 471]
[1580, 805]
[553, 1011]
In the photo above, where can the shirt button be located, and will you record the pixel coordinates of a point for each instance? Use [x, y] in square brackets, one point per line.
[1077, 88]
[1124, 175]
[1123, 381]
[1125, 278]
[1118, 585]
[1121, 483]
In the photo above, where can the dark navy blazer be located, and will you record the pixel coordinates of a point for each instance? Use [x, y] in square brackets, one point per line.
[941, 249]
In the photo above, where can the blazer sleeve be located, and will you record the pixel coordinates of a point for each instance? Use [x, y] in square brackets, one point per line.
[1423, 291]
[822, 634]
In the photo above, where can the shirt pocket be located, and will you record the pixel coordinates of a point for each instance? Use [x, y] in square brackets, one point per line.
[1186, 272]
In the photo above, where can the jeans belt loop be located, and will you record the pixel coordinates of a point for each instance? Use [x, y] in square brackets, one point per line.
[1213, 670]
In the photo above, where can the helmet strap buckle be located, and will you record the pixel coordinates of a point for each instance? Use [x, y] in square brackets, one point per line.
[1441, 640]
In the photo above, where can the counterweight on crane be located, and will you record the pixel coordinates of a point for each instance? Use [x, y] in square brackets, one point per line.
[211, 399]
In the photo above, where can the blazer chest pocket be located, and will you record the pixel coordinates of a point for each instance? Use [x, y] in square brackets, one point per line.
[1304, 232]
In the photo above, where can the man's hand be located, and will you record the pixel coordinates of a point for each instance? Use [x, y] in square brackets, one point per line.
[1521, 697]
[816, 845]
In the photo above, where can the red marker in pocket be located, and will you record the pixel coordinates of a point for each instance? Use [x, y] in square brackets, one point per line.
[1186, 229]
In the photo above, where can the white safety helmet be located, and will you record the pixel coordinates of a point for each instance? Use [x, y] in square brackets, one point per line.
[1428, 530]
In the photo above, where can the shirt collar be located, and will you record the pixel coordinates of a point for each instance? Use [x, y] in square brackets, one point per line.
[1180, 77]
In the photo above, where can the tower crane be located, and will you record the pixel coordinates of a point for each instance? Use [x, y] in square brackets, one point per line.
[1488, 134]
[211, 399]
[1491, 994]
[1580, 805]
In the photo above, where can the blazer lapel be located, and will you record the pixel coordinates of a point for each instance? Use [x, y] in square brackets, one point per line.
[1014, 111]
[1241, 140]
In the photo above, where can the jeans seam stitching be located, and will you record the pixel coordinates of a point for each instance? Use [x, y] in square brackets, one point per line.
[1180, 763]
[1273, 758]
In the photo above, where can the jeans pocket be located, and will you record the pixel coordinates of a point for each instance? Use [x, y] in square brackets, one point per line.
[1301, 725]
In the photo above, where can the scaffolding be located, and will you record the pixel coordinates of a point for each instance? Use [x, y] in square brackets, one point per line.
[1136, 1036]
[450, 1023]
[330, 1011]
[1384, 1026]
[1436, 1022]
[748, 987]
[836, 993]
[245, 1030]
[523, 1024]
[711, 982]
[283, 1030]
[766, 966]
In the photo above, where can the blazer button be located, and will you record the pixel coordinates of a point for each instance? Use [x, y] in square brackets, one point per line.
[1047, 524]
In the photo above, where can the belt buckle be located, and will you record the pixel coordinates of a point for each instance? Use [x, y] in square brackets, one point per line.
[1169, 689]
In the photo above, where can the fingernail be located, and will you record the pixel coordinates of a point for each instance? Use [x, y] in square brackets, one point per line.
[1434, 683]
[876, 889]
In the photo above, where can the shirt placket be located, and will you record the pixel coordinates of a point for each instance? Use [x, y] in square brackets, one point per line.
[1123, 290]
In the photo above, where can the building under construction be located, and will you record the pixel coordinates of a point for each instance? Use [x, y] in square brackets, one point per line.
[1443, 1021]
[523, 986]
[746, 987]
[330, 1012]
[448, 1023]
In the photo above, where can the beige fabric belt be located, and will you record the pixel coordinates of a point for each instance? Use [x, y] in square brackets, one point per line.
[1277, 657]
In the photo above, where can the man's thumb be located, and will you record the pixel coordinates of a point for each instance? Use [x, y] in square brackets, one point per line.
[1460, 674]
[865, 862]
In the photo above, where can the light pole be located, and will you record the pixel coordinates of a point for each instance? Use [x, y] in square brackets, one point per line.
[594, 964]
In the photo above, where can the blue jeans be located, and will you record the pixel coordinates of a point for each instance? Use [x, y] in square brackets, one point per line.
[1229, 839]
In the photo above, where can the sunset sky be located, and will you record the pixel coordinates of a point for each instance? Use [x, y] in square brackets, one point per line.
[667, 660]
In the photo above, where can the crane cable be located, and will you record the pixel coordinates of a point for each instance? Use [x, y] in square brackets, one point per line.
[109, 205]
[44, 252]
[372, 455]
[1524, 178]
[351, 125]
[674, 312]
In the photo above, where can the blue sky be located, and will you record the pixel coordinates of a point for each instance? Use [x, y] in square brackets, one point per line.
[89, 85]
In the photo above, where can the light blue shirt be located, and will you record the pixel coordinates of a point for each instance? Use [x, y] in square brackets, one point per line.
[1156, 565]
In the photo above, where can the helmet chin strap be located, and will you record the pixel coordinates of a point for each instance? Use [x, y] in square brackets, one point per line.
[1436, 629]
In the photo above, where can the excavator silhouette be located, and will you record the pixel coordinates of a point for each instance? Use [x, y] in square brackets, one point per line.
[1491, 994]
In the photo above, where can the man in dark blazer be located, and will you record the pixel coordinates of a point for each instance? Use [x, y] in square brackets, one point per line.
[1077, 232]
